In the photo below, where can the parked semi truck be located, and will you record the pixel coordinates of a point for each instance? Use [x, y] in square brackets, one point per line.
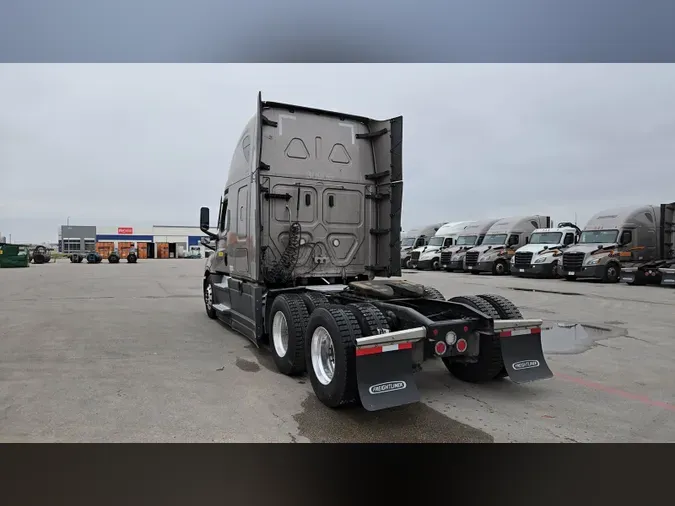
[416, 238]
[649, 257]
[614, 237]
[429, 256]
[542, 255]
[306, 258]
[452, 258]
[500, 244]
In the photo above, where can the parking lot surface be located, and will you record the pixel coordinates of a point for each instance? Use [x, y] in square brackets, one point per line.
[126, 353]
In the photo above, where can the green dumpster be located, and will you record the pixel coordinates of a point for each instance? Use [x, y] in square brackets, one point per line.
[13, 255]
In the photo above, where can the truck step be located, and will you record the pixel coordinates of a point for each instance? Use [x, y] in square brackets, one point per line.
[221, 308]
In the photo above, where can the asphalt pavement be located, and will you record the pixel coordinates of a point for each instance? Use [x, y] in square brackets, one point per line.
[125, 352]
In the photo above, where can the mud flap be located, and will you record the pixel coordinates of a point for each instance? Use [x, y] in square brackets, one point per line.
[628, 276]
[523, 355]
[386, 379]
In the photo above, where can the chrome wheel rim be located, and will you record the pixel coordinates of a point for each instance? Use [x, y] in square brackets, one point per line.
[280, 334]
[323, 355]
[208, 297]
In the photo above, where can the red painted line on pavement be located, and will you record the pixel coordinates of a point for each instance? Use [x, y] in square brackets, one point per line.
[615, 391]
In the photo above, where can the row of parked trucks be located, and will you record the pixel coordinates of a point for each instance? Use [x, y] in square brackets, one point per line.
[633, 244]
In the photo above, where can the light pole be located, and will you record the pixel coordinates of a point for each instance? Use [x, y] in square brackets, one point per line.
[68, 221]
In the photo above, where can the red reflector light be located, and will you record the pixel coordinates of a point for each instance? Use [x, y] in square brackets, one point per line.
[536, 330]
[506, 333]
[440, 348]
[435, 332]
[461, 345]
[466, 328]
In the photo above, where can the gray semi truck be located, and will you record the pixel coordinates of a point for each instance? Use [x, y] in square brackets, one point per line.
[307, 252]
[452, 258]
[616, 244]
[648, 257]
[501, 241]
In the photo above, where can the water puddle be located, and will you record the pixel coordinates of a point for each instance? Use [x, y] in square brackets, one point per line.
[562, 338]
[247, 365]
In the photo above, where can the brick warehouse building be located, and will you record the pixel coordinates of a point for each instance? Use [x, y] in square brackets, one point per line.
[158, 241]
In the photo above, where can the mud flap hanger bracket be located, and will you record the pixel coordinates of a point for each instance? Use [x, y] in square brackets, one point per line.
[389, 338]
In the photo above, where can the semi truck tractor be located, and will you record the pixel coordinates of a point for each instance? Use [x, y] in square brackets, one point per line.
[429, 256]
[502, 240]
[452, 258]
[416, 238]
[614, 238]
[542, 255]
[649, 258]
[307, 262]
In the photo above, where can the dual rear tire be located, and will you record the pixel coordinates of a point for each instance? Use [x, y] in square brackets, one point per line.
[489, 364]
[308, 334]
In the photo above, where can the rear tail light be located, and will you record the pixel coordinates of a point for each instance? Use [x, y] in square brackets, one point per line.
[440, 348]
[461, 345]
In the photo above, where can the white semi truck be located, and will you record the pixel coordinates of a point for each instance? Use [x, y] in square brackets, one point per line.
[543, 253]
[500, 244]
[429, 256]
[416, 238]
[452, 258]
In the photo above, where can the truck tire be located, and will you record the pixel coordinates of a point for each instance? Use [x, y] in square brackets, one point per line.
[288, 323]
[370, 318]
[333, 372]
[208, 297]
[555, 274]
[500, 268]
[612, 273]
[431, 293]
[313, 300]
[406, 263]
[490, 364]
[506, 309]
[436, 264]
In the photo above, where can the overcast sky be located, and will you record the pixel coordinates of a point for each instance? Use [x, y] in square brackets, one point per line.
[132, 145]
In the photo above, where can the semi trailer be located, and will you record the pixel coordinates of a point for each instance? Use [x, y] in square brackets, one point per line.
[416, 238]
[542, 255]
[500, 244]
[306, 261]
[649, 258]
[614, 240]
[452, 258]
[429, 256]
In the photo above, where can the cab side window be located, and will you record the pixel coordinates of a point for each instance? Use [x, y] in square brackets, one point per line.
[420, 242]
[569, 239]
[447, 243]
[513, 240]
[224, 217]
